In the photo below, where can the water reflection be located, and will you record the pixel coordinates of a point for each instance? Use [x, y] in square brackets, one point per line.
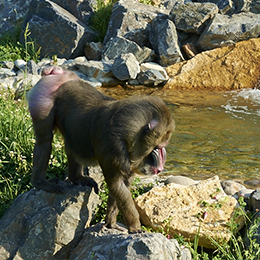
[216, 133]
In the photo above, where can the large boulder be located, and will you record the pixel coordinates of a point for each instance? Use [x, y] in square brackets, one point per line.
[99, 242]
[55, 30]
[40, 225]
[192, 17]
[131, 19]
[201, 209]
[227, 68]
[226, 30]
[164, 39]
[12, 12]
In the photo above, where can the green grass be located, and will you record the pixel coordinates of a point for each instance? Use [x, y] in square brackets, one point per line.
[11, 49]
[16, 148]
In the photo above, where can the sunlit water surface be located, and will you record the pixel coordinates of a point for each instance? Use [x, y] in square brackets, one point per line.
[216, 133]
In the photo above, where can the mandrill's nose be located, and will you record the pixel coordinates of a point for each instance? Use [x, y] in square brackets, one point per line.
[159, 157]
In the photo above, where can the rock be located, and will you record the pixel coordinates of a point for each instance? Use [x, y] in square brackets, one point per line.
[252, 6]
[93, 50]
[164, 40]
[58, 33]
[182, 180]
[82, 10]
[192, 17]
[7, 64]
[30, 68]
[231, 187]
[4, 73]
[99, 242]
[40, 225]
[225, 30]
[151, 65]
[151, 78]
[253, 183]
[225, 6]
[181, 210]
[238, 63]
[119, 45]
[130, 19]
[95, 69]
[19, 64]
[255, 200]
[11, 13]
[8, 83]
[125, 67]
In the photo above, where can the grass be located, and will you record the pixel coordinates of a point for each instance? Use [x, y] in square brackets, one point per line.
[11, 49]
[16, 148]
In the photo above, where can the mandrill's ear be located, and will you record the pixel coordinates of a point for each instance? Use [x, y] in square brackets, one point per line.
[150, 126]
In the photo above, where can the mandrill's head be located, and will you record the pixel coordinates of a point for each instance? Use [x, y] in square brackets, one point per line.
[150, 125]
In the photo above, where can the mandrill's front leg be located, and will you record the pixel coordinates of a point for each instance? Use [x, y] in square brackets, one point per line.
[76, 175]
[120, 198]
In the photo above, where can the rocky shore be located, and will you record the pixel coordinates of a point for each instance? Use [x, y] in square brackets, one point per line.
[175, 45]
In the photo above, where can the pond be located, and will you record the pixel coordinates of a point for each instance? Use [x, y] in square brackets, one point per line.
[217, 133]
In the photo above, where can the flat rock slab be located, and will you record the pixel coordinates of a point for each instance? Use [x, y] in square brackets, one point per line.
[202, 209]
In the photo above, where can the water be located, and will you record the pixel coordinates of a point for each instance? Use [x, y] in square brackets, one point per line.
[216, 133]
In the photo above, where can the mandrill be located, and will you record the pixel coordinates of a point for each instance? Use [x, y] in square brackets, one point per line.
[121, 135]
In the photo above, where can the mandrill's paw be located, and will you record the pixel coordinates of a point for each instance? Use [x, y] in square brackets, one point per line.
[88, 181]
[115, 226]
[50, 186]
[137, 231]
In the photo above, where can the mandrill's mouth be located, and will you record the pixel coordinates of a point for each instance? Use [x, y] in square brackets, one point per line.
[159, 158]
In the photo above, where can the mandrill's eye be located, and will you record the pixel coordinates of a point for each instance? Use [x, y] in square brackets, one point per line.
[151, 125]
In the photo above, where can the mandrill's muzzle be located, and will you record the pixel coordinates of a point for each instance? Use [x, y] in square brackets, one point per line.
[159, 158]
[154, 162]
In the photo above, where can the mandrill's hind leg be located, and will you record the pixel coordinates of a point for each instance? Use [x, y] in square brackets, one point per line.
[44, 134]
[76, 173]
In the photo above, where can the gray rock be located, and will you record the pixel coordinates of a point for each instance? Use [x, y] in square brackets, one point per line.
[253, 6]
[99, 242]
[32, 68]
[7, 64]
[126, 67]
[131, 19]
[164, 40]
[11, 12]
[182, 180]
[95, 69]
[192, 17]
[55, 30]
[151, 78]
[231, 187]
[8, 83]
[5, 73]
[224, 6]
[40, 225]
[225, 30]
[19, 64]
[119, 45]
[255, 200]
[151, 65]
[93, 50]
[82, 10]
